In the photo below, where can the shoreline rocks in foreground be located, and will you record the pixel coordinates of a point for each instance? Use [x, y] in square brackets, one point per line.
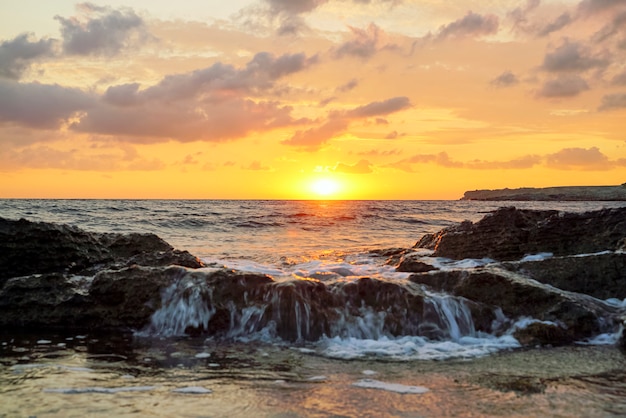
[61, 277]
[554, 267]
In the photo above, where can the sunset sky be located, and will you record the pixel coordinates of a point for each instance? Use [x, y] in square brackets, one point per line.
[303, 99]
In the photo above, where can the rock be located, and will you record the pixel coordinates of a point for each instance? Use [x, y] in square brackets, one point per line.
[61, 276]
[564, 193]
[602, 276]
[582, 316]
[28, 248]
[112, 299]
[410, 263]
[540, 333]
[510, 233]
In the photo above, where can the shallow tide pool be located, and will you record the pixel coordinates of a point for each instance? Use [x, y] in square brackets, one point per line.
[77, 376]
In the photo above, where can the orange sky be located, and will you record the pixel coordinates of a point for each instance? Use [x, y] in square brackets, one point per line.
[380, 99]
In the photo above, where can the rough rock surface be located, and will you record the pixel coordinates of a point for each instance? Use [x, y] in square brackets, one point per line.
[61, 276]
[581, 316]
[601, 275]
[40, 248]
[57, 276]
[510, 233]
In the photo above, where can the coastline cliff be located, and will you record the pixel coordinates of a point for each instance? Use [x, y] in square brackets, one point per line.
[571, 193]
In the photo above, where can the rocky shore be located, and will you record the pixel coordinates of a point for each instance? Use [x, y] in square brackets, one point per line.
[556, 268]
[566, 193]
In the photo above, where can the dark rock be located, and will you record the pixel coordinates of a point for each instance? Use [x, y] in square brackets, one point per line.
[540, 333]
[61, 276]
[602, 276]
[409, 264]
[510, 233]
[582, 316]
[28, 248]
[113, 299]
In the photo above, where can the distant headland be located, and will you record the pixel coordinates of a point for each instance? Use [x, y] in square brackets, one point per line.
[573, 193]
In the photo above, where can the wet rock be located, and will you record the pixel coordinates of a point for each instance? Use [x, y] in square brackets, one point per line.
[582, 316]
[28, 248]
[411, 263]
[61, 276]
[112, 299]
[602, 276]
[510, 233]
[539, 333]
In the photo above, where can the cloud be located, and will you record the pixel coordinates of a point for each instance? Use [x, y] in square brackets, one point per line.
[381, 108]
[101, 30]
[441, 159]
[578, 159]
[312, 139]
[565, 159]
[286, 13]
[506, 79]
[619, 79]
[572, 56]
[44, 106]
[392, 135]
[559, 23]
[185, 121]
[362, 167]
[617, 24]
[257, 166]
[45, 157]
[209, 104]
[350, 85]
[338, 122]
[379, 153]
[527, 161]
[589, 7]
[471, 25]
[365, 42]
[563, 86]
[17, 54]
[613, 101]
[260, 73]
[519, 15]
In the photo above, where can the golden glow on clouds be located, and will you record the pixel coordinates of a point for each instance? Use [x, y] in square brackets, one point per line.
[268, 99]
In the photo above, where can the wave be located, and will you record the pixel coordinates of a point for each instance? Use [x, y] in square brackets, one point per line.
[257, 224]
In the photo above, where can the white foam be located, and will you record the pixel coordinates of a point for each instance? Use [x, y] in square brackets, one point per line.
[193, 390]
[44, 342]
[603, 339]
[369, 372]
[537, 257]
[390, 387]
[618, 303]
[354, 266]
[414, 347]
[97, 389]
[524, 322]
[447, 264]
[203, 355]
[317, 379]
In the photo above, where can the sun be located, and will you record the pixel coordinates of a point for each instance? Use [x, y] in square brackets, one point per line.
[325, 187]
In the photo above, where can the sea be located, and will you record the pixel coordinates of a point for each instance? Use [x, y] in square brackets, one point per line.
[361, 370]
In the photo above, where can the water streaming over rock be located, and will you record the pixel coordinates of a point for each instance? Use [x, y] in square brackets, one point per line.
[232, 305]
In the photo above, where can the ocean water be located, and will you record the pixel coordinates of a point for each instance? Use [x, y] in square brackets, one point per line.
[353, 370]
[272, 232]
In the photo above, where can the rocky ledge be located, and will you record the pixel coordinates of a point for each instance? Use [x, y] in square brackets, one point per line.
[566, 270]
[555, 269]
[564, 193]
